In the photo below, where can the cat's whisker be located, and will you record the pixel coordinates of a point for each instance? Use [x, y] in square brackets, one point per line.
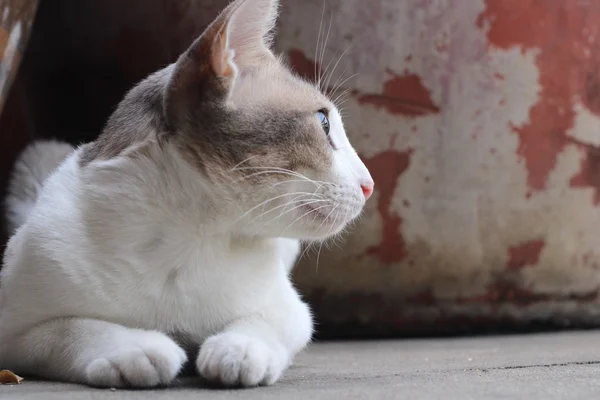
[283, 171]
[293, 201]
[333, 88]
[339, 102]
[318, 256]
[335, 238]
[341, 79]
[337, 81]
[323, 52]
[276, 169]
[269, 200]
[295, 208]
[306, 249]
[330, 228]
[341, 84]
[327, 217]
[330, 75]
[242, 162]
[319, 183]
[341, 97]
[300, 217]
[316, 67]
[325, 87]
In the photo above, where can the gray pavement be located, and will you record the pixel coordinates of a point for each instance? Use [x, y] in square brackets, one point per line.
[542, 366]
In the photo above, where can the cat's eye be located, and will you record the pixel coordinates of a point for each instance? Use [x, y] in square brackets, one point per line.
[322, 115]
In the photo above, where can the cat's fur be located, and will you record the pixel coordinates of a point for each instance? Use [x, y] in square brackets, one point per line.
[173, 235]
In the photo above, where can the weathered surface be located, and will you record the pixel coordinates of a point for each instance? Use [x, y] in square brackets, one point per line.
[480, 122]
[16, 19]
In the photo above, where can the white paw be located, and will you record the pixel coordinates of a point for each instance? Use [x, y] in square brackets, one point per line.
[151, 360]
[233, 359]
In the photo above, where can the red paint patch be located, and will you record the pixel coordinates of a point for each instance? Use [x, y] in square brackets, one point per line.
[589, 175]
[568, 64]
[386, 168]
[527, 253]
[402, 95]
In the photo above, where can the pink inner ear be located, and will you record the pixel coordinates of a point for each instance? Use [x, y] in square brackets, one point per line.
[228, 70]
[222, 57]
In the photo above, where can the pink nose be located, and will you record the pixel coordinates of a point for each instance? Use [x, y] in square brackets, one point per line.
[367, 189]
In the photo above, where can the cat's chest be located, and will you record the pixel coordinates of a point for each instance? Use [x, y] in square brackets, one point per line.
[200, 289]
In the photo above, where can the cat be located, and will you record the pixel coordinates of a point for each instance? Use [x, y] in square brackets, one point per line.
[171, 238]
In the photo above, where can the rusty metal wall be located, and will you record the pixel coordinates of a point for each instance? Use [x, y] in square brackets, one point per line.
[479, 121]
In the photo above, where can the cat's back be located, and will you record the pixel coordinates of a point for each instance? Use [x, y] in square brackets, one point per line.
[35, 255]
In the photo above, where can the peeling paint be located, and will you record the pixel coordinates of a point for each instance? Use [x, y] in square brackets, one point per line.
[589, 174]
[524, 254]
[402, 95]
[386, 168]
[528, 24]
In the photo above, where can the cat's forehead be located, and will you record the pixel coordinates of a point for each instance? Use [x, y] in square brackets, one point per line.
[275, 85]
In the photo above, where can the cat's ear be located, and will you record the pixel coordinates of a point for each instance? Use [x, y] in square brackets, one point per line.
[239, 38]
[249, 32]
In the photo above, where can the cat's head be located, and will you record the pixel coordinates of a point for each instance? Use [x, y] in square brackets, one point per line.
[272, 144]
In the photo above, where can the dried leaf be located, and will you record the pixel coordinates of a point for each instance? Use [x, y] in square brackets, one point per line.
[9, 378]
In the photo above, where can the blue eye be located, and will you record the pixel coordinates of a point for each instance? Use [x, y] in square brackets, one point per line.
[322, 115]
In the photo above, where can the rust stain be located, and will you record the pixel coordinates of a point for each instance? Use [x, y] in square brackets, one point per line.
[402, 95]
[589, 174]
[567, 36]
[386, 168]
[523, 254]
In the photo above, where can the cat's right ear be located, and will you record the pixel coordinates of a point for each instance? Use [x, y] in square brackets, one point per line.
[238, 39]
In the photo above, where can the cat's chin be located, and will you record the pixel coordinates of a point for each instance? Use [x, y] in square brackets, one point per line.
[322, 223]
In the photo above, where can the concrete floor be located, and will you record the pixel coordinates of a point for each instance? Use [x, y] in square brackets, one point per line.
[546, 366]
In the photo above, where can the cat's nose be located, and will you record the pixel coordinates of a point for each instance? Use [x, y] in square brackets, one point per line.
[367, 189]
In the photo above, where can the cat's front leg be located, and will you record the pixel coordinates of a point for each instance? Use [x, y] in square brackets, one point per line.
[94, 352]
[257, 349]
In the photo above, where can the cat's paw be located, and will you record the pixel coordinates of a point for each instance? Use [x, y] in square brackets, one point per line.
[151, 361]
[233, 359]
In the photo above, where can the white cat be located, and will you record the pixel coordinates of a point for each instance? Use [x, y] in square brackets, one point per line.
[174, 233]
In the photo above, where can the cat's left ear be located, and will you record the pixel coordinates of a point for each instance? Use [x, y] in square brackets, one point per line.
[238, 39]
[248, 32]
